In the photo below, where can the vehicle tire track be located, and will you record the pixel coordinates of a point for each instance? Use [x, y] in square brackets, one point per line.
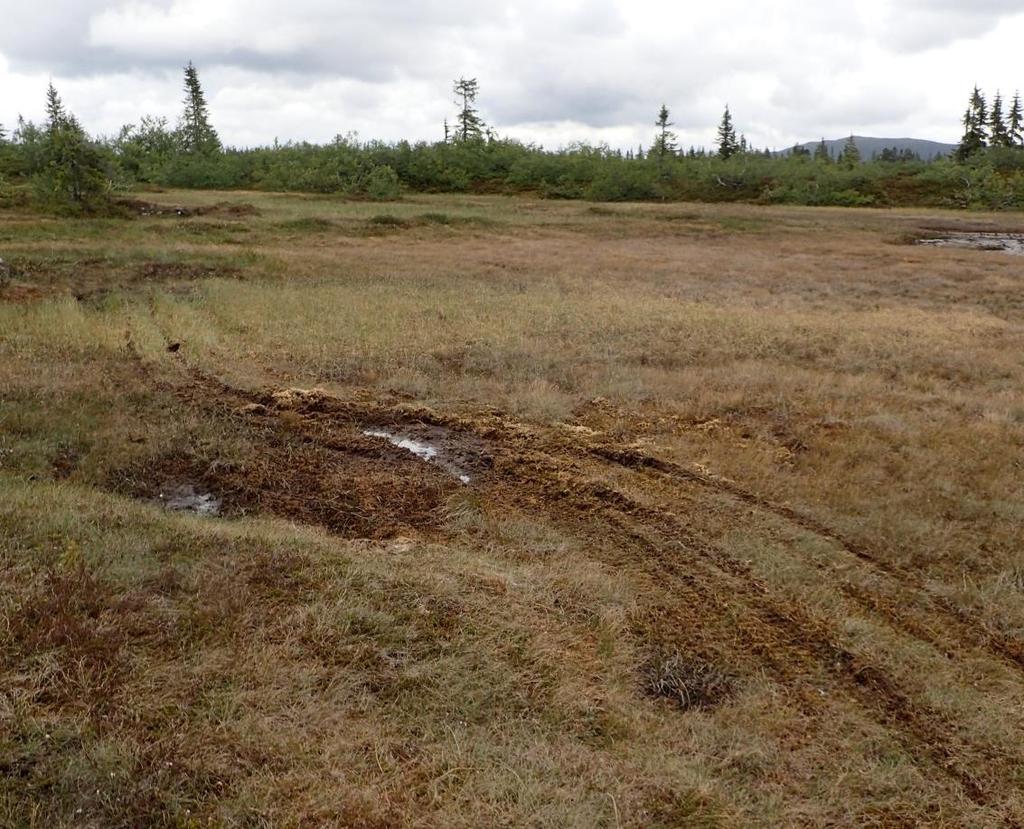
[540, 474]
[957, 622]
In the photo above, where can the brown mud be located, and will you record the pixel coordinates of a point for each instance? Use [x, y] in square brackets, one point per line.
[139, 207]
[703, 607]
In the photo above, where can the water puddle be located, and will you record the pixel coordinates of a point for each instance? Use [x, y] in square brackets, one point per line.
[185, 498]
[430, 450]
[978, 240]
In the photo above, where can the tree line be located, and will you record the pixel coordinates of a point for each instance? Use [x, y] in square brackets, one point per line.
[57, 167]
[986, 127]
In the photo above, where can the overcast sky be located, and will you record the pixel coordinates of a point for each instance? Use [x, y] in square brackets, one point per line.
[551, 71]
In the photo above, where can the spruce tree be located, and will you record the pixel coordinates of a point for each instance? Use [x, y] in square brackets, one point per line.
[665, 142]
[821, 153]
[470, 125]
[728, 145]
[195, 133]
[976, 120]
[1000, 137]
[1015, 123]
[72, 178]
[850, 156]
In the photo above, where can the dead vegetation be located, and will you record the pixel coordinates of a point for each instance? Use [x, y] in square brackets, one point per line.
[687, 681]
[740, 546]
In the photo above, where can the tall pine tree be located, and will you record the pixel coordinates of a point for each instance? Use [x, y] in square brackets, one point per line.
[195, 133]
[665, 142]
[728, 144]
[976, 120]
[470, 125]
[998, 133]
[1015, 123]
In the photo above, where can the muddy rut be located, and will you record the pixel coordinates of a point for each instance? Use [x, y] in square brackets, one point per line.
[699, 599]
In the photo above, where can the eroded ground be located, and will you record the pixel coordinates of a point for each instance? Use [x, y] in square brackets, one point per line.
[527, 513]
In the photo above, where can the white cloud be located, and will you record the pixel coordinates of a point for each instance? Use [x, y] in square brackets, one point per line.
[550, 70]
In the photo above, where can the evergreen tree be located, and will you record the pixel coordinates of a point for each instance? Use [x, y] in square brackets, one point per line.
[728, 145]
[56, 115]
[1000, 137]
[976, 119]
[665, 142]
[195, 133]
[1015, 123]
[469, 124]
[71, 178]
[821, 152]
[850, 156]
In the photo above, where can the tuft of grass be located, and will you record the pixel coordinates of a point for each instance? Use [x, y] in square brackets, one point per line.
[307, 224]
[387, 220]
[434, 218]
[690, 682]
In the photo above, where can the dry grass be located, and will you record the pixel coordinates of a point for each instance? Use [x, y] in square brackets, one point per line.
[742, 545]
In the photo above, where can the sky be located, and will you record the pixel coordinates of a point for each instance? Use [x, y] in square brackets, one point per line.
[550, 71]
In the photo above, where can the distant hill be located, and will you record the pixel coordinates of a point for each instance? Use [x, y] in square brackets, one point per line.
[869, 147]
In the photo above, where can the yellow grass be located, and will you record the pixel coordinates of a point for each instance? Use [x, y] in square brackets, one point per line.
[773, 451]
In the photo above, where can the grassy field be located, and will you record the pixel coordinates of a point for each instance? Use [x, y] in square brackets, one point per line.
[742, 542]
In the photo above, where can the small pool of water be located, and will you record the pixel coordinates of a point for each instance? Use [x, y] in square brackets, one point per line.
[185, 498]
[978, 240]
[422, 449]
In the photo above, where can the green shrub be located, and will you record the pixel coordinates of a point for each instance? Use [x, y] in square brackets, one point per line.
[382, 184]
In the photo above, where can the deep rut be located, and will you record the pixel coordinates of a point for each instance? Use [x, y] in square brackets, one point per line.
[543, 470]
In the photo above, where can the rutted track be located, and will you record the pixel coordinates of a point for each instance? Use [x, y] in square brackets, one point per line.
[956, 622]
[563, 476]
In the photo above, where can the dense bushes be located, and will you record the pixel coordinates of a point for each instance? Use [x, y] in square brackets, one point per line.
[148, 154]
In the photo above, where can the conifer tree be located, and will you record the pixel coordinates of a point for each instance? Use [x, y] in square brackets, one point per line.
[821, 152]
[850, 156]
[72, 178]
[665, 142]
[195, 133]
[469, 124]
[997, 124]
[1015, 123]
[976, 120]
[728, 145]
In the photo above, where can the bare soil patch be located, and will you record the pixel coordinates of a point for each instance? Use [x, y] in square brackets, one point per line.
[351, 484]
[230, 209]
